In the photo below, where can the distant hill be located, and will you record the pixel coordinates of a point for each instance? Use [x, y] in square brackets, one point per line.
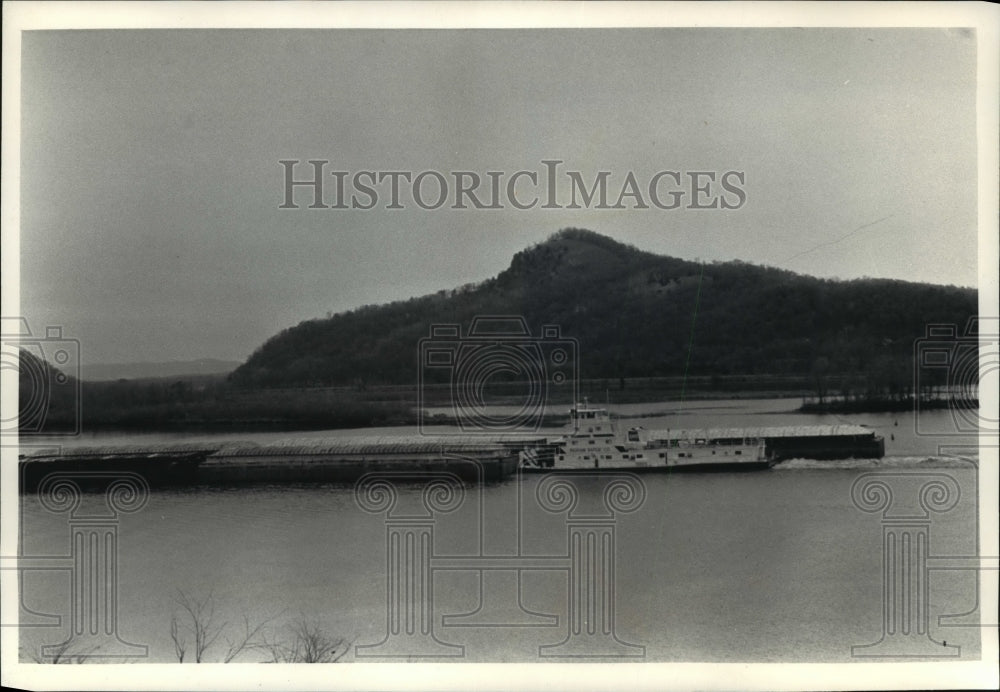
[135, 371]
[635, 314]
[48, 398]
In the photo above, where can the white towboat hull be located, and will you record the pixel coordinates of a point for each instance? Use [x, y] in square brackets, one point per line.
[594, 444]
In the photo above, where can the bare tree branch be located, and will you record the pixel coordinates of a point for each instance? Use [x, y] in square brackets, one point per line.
[203, 626]
[250, 639]
[63, 654]
[306, 641]
[179, 643]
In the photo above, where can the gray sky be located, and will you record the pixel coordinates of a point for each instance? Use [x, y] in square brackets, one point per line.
[150, 226]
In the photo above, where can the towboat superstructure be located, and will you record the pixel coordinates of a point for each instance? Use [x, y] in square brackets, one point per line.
[594, 442]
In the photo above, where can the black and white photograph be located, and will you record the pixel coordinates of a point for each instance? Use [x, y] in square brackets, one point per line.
[500, 346]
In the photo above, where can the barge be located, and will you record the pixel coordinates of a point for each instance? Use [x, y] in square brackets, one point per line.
[346, 459]
[307, 460]
[91, 466]
[592, 441]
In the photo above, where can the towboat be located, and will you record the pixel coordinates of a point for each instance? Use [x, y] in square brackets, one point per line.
[593, 441]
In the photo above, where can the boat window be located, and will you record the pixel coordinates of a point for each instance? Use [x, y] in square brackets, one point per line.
[738, 451]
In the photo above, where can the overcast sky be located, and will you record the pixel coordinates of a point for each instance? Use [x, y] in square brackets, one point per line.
[150, 226]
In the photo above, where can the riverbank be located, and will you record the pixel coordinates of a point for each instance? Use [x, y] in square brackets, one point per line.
[214, 405]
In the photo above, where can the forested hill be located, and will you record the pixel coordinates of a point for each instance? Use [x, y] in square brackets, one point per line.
[634, 314]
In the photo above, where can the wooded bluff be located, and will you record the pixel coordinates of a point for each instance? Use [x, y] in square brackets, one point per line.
[651, 328]
[635, 314]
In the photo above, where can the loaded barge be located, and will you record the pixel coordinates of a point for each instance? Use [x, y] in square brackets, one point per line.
[340, 460]
[307, 460]
[591, 442]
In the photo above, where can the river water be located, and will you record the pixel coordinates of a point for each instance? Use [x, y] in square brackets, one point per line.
[779, 565]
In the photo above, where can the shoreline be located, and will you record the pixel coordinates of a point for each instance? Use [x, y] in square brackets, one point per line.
[313, 412]
[199, 405]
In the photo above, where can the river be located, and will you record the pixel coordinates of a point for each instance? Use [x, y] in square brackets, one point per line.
[779, 565]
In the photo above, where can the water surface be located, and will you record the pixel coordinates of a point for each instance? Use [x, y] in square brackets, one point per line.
[775, 565]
